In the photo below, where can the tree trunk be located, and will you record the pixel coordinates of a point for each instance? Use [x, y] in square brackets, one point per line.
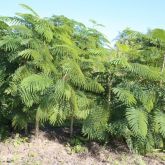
[109, 84]
[71, 126]
[37, 127]
[73, 106]
[163, 65]
[161, 83]
[26, 130]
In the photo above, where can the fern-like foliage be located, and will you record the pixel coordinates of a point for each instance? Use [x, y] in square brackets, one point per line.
[159, 119]
[145, 71]
[20, 121]
[31, 85]
[96, 124]
[125, 96]
[137, 120]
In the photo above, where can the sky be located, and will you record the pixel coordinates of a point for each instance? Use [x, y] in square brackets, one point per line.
[115, 15]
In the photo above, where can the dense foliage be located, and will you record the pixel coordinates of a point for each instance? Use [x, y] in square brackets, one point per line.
[56, 70]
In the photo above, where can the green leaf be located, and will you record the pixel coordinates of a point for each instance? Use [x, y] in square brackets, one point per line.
[137, 120]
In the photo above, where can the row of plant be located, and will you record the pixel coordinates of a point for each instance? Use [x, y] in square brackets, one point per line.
[55, 70]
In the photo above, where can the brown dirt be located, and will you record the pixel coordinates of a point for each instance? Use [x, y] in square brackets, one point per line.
[43, 151]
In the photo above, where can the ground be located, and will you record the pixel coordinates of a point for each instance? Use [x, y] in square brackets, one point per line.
[46, 150]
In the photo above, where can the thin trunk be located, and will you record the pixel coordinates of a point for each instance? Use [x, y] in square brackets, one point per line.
[26, 130]
[73, 106]
[109, 91]
[162, 69]
[37, 127]
[71, 126]
[161, 83]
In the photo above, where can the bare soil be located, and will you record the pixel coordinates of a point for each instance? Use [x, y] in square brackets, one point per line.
[52, 151]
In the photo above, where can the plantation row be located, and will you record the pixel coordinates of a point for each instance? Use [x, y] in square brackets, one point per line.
[56, 70]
